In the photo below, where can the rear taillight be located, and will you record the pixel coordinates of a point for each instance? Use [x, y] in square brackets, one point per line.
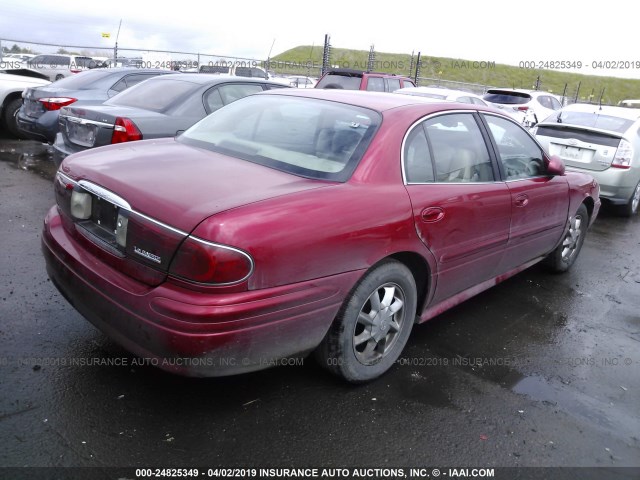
[523, 108]
[56, 103]
[623, 156]
[209, 263]
[75, 71]
[125, 130]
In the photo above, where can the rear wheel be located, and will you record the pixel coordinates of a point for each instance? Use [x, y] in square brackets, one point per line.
[373, 325]
[631, 208]
[9, 116]
[561, 259]
[59, 76]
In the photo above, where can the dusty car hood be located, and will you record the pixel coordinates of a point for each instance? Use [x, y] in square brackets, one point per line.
[178, 184]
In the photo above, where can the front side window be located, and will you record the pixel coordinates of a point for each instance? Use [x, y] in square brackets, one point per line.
[459, 151]
[307, 137]
[520, 155]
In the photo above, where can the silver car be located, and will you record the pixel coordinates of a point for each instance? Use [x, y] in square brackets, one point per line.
[602, 141]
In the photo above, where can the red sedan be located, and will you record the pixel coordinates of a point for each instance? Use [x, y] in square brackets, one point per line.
[317, 221]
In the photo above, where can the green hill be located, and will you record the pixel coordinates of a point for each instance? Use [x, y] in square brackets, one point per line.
[308, 60]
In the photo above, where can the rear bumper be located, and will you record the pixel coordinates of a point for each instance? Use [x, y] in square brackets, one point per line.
[61, 150]
[43, 128]
[616, 184]
[191, 333]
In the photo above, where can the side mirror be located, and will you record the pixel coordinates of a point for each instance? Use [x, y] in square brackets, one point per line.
[555, 166]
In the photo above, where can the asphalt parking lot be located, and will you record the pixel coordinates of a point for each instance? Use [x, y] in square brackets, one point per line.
[542, 370]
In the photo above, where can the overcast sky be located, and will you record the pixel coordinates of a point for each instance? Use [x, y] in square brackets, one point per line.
[501, 31]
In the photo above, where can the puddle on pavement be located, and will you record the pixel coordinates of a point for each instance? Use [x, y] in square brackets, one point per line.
[30, 156]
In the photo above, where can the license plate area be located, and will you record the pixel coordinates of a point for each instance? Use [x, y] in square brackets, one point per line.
[81, 134]
[103, 224]
[576, 154]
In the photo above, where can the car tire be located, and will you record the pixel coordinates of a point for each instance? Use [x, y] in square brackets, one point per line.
[372, 326]
[9, 117]
[631, 207]
[59, 77]
[564, 256]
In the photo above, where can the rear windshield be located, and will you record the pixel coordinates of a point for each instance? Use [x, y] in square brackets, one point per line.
[507, 98]
[214, 69]
[335, 80]
[311, 138]
[154, 95]
[591, 120]
[83, 80]
[250, 72]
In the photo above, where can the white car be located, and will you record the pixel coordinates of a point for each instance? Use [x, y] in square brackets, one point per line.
[11, 88]
[300, 81]
[443, 94]
[527, 106]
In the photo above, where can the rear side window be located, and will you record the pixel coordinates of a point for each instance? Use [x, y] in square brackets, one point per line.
[407, 83]
[375, 84]
[156, 96]
[417, 158]
[217, 97]
[393, 84]
[459, 151]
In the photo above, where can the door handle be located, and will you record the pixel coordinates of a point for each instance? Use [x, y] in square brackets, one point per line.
[432, 214]
[521, 200]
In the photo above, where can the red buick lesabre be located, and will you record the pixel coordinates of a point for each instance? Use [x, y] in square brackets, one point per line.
[316, 221]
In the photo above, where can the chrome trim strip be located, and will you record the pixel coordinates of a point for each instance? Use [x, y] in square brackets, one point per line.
[159, 223]
[85, 121]
[105, 194]
[66, 178]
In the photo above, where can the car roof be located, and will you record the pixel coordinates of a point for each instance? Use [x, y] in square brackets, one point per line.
[622, 112]
[436, 90]
[378, 101]
[352, 71]
[210, 79]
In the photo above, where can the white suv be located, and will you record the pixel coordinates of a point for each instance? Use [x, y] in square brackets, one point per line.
[527, 106]
[57, 67]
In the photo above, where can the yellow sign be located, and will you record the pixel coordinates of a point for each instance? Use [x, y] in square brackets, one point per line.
[106, 35]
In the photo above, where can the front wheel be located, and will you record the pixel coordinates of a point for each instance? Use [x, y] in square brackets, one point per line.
[561, 259]
[372, 326]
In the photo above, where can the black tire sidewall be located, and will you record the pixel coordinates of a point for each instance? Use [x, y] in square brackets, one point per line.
[9, 117]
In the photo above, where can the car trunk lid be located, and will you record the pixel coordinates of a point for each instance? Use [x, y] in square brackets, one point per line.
[581, 147]
[161, 190]
[88, 127]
